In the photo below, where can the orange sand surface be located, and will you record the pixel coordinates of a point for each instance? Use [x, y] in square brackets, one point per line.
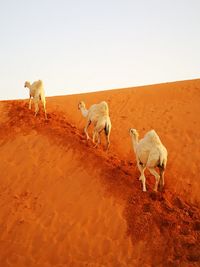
[64, 203]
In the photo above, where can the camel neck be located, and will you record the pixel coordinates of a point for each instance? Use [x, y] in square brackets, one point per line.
[28, 86]
[134, 142]
[84, 112]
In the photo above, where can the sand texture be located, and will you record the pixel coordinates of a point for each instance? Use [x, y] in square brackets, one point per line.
[65, 203]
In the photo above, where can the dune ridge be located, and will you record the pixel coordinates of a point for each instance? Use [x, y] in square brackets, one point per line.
[64, 203]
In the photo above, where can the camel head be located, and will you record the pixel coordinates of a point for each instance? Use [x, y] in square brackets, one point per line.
[134, 133]
[27, 84]
[81, 104]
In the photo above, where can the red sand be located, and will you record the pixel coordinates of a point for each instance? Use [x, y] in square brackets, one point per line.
[64, 203]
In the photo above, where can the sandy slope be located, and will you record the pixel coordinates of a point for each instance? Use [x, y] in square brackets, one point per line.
[172, 109]
[65, 204]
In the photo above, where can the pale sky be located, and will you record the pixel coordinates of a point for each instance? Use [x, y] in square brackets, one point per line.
[80, 46]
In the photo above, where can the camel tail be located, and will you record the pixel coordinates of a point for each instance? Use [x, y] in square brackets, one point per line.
[162, 162]
[104, 108]
[107, 128]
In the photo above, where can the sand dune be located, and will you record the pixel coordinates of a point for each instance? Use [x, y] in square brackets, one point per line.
[64, 203]
[172, 109]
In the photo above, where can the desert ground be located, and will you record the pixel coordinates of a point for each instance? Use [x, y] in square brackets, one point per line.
[65, 203]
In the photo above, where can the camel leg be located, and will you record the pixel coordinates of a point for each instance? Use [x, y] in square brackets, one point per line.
[44, 106]
[142, 176]
[108, 141]
[157, 177]
[86, 127]
[30, 102]
[95, 133]
[162, 180]
[98, 139]
[36, 100]
[94, 136]
[97, 130]
[107, 130]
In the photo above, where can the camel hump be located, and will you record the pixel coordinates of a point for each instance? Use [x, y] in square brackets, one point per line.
[40, 83]
[37, 84]
[153, 137]
[104, 107]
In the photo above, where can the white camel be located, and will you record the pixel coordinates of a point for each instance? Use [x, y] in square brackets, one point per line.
[98, 115]
[36, 91]
[150, 153]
